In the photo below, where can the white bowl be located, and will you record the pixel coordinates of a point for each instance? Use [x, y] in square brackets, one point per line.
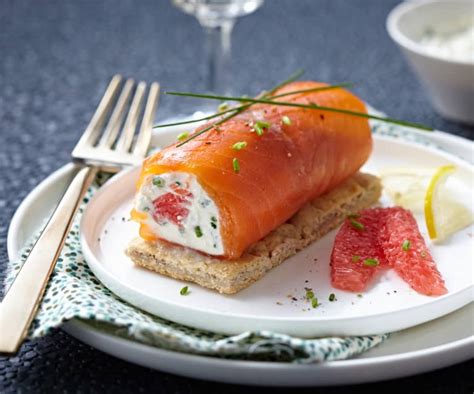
[449, 82]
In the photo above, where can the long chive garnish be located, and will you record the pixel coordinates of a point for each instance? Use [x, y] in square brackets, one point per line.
[238, 110]
[298, 105]
[291, 78]
[318, 89]
[225, 119]
[196, 120]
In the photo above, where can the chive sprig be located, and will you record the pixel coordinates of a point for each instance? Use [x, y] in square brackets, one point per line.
[268, 97]
[240, 109]
[313, 106]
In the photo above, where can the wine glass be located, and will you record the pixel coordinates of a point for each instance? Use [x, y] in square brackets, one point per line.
[218, 18]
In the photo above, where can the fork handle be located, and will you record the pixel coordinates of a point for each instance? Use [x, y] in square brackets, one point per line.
[22, 299]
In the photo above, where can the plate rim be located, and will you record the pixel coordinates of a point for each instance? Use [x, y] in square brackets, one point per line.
[445, 349]
[328, 373]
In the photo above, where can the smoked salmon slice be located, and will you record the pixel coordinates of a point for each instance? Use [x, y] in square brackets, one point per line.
[301, 154]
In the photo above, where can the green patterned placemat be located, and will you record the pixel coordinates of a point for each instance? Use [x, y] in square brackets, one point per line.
[74, 293]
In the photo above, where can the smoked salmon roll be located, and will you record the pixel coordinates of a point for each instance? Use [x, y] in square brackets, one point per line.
[229, 187]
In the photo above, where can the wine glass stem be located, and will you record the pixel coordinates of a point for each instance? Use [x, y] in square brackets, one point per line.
[219, 55]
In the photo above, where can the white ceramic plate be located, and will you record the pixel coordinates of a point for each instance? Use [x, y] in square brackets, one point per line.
[429, 346]
[277, 302]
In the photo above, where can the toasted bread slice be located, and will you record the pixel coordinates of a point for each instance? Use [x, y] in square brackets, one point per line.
[309, 224]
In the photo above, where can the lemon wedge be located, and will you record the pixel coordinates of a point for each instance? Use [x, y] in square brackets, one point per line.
[423, 190]
[443, 215]
[406, 187]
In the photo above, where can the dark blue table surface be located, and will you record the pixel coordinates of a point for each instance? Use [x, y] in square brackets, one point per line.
[56, 58]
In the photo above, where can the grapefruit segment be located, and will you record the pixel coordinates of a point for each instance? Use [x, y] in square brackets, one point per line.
[406, 251]
[383, 238]
[355, 243]
[171, 207]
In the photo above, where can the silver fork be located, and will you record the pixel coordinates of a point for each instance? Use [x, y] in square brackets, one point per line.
[99, 148]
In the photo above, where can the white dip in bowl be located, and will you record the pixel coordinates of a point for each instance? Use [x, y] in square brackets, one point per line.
[437, 38]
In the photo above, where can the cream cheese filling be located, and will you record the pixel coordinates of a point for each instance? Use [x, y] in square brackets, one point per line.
[179, 210]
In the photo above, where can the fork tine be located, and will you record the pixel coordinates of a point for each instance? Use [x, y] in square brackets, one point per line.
[94, 126]
[126, 138]
[113, 126]
[143, 138]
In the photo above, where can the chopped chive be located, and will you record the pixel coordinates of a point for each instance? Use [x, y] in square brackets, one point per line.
[198, 231]
[260, 125]
[314, 302]
[371, 262]
[213, 225]
[258, 130]
[178, 183]
[286, 120]
[355, 258]
[223, 107]
[235, 165]
[359, 295]
[406, 245]
[239, 145]
[263, 124]
[353, 216]
[357, 225]
[158, 181]
[182, 136]
[309, 294]
[213, 219]
[332, 297]
[184, 291]
[146, 209]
